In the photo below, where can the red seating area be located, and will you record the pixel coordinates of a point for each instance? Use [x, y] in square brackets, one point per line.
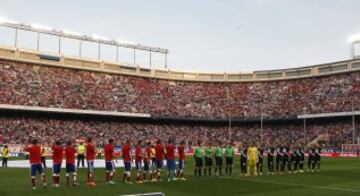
[26, 84]
[34, 85]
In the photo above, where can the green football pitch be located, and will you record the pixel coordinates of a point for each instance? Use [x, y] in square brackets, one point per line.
[337, 177]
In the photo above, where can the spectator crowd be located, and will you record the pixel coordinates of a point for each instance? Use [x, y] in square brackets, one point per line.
[18, 130]
[32, 85]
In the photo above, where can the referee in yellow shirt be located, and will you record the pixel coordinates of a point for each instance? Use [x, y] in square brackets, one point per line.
[5, 156]
[252, 155]
[80, 150]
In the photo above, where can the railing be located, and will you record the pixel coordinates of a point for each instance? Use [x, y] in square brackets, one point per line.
[53, 59]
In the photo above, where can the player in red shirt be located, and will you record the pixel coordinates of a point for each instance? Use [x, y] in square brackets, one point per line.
[70, 153]
[109, 161]
[126, 153]
[57, 155]
[159, 156]
[35, 163]
[170, 160]
[181, 152]
[138, 161]
[90, 156]
[147, 158]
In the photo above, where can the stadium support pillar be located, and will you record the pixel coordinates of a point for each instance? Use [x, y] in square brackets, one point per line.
[352, 51]
[80, 47]
[99, 51]
[165, 60]
[16, 37]
[117, 54]
[38, 42]
[59, 44]
[150, 58]
[134, 56]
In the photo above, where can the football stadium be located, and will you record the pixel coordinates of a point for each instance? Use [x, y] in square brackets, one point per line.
[73, 124]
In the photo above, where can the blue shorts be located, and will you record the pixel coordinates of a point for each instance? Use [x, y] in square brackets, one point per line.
[70, 168]
[127, 166]
[36, 168]
[181, 164]
[146, 165]
[171, 165]
[138, 166]
[159, 164]
[110, 166]
[90, 165]
[56, 168]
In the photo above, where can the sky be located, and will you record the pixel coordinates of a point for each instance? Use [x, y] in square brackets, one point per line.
[202, 35]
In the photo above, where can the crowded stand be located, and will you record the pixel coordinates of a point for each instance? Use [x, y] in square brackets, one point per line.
[16, 130]
[33, 85]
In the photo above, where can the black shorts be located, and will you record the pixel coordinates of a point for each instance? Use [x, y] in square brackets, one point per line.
[198, 162]
[229, 160]
[208, 161]
[218, 161]
[146, 165]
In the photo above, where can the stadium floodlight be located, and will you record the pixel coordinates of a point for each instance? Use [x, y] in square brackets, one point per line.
[4, 20]
[41, 27]
[354, 38]
[100, 38]
[73, 33]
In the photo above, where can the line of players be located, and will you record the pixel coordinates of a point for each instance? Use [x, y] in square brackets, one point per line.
[148, 163]
[279, 159]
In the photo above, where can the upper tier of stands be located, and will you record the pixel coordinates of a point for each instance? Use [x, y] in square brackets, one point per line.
[53, 59]
[29, 78]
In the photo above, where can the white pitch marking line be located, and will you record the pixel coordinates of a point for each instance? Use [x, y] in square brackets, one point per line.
[298, 185]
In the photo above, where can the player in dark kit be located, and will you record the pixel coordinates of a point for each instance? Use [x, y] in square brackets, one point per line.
[302, 159]
[317, 157]
[296, 158]
[285, 159]
[291, 160]
[270, 160]
[243, 160]
[279, 157]
[259, 164]
[310, 159]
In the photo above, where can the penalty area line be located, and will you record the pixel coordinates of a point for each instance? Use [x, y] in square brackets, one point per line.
[296, 185]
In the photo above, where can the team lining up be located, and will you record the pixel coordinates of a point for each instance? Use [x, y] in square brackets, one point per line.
[149, 162]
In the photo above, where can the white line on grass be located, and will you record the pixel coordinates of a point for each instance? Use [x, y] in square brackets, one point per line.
[297, 185]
